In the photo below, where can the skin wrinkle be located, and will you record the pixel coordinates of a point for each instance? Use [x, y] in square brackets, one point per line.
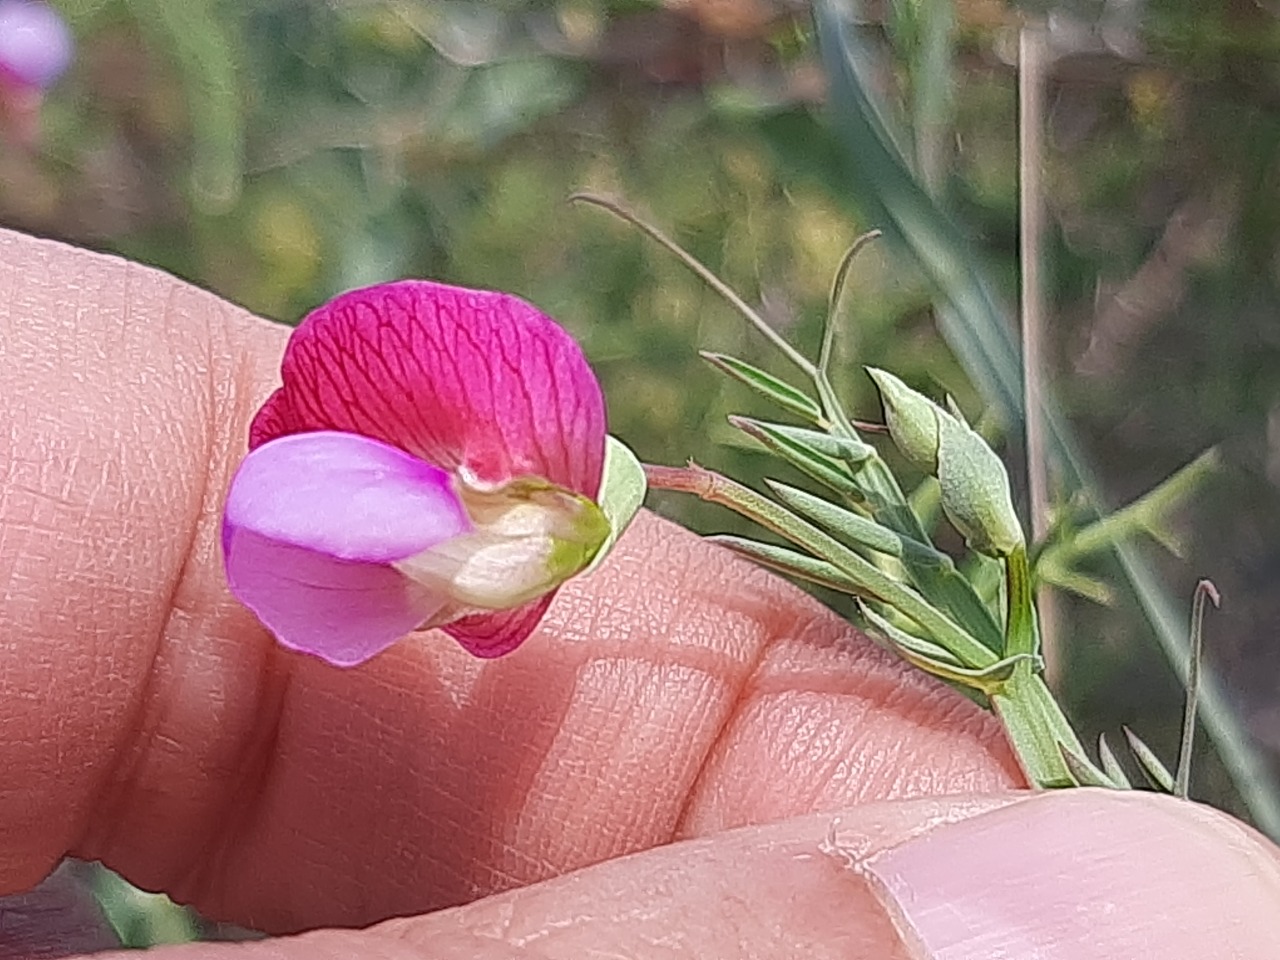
[252, 767]
[769, 703]
[62, 451]
[752, 894]
[122, 767]
[229, 389]
[640, 705]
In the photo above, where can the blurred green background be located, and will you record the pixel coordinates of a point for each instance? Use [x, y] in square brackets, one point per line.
[279, 151]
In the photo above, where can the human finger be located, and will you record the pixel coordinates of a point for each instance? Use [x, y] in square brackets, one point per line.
[1071, 875]
[148, 721]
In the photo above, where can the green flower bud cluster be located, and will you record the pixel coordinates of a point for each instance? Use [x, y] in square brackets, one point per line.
[974, 484]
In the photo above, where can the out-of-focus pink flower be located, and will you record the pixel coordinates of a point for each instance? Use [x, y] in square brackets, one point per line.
[431, 459]
[35, 44]
[35, 49]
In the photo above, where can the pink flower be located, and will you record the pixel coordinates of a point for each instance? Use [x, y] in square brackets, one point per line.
[432, 459]
[35, 45]
[35, 49]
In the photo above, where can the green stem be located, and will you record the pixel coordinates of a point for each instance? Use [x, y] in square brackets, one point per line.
[1141, 516]
[1020, 624]
[836, 295]
[704, 274]
[1035, 724]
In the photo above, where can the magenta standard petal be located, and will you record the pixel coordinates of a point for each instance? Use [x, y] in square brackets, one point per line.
[35, 44]
[339, 610]
[495, 634]
[345, 496]
[461, 378]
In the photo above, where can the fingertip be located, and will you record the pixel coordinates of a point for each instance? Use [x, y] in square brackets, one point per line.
[1084, 875]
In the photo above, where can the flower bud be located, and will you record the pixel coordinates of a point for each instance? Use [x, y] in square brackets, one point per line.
[530, 536]
[912, 419]
[975, 490]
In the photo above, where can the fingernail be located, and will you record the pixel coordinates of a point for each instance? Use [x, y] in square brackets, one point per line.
[1083, 875]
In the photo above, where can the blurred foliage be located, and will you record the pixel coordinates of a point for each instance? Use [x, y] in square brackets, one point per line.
[141, 919]
[278, 151]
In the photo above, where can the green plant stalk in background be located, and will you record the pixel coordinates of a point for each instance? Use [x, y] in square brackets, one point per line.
[978, 330]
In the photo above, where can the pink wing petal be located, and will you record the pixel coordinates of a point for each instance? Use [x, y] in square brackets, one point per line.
[345, 496]
[460, 378]
[312, 522]
[341, 611]
[494, 634]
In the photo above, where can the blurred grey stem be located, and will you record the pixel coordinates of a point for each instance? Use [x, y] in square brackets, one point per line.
[1206, 592]
[932, 89]
[1032, 57]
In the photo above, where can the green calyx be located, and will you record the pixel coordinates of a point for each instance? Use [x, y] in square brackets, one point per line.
[587, 532]
[975, 490]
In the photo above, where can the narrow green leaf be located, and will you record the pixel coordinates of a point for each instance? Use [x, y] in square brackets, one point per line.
[789, 398]
[972, 320]
[856, 529]
[936, 579]
[1081, 584]
[936, 660]
[1147, 514]
[622, 491]
[1157, 773]
[828, 471]
[848, 450]
[1085, 773]
[897, 637]
[871, 580]
[787, 561]
[1111, 764]
[883, 494]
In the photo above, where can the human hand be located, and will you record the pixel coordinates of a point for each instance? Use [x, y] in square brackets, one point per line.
[146, 720]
